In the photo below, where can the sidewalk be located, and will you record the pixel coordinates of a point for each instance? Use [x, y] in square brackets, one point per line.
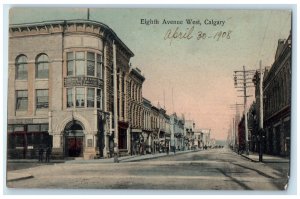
[134, 158]
[254, 157]
[32, 161]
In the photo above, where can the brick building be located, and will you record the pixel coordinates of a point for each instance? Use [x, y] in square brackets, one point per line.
[277, 103]
[137, 139]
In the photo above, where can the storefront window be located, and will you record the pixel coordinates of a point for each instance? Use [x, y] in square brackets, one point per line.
[19, 128]
[44, 127]
[33, 128]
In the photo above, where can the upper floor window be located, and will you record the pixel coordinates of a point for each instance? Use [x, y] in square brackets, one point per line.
[90, 64]
[69, 97]
[80, 97]
[70, 64]
[42, 99]
[99, 66]
[21, 67]
[79, 64]
[42, 64]
[90, 97]
[99, 98]
[84, 64]
[21, 100]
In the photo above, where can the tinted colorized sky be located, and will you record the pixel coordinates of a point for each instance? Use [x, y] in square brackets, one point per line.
[200, 72]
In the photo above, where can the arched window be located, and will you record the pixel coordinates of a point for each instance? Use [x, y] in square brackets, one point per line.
[21, 67]
[42, 65]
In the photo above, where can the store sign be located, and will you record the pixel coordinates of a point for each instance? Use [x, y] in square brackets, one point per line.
[83, 81]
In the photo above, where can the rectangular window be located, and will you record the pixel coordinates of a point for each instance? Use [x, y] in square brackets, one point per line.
[44, 127]
[79, 64]
[91, 97]
[70, 64]
[99, 98]
[22, 100]
[99, 66]
[42, 99]
[33, 128]
[10, 128]
[42, 70]
[69, 97]
[21, 71]
[80, 97]
[19, 128]
[90, 64]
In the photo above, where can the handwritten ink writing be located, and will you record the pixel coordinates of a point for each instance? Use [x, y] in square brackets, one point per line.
[177, 34]
[190, 33]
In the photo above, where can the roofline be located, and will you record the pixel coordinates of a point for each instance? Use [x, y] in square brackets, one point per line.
[63, 22]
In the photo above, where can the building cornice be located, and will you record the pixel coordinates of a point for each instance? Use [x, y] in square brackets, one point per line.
[69, 26]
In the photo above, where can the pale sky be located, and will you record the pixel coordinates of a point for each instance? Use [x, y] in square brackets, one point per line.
[200, 72]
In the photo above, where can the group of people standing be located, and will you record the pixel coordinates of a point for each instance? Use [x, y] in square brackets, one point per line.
[46, 151]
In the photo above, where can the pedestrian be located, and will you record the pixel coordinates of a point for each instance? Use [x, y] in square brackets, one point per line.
[167, 149]
[174, 149]
[41, 153]
[48, 154]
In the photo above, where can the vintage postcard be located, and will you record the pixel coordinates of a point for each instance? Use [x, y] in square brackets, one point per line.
[149, 98]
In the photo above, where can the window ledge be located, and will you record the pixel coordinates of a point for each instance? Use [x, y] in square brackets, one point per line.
[41, 79]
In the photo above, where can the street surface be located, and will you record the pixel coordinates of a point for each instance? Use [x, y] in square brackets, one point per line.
[214, 169]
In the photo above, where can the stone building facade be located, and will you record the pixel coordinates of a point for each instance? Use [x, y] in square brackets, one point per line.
[136, 80]
[61, 89]
[277, 102]
[147, 127]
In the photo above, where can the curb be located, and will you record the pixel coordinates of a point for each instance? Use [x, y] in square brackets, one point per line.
[165, 155]
[249, 158]
[21, 178]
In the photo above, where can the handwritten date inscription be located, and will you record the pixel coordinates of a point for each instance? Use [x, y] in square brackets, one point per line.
[190, 33]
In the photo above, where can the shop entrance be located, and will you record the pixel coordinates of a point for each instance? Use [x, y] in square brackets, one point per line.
[74, 139]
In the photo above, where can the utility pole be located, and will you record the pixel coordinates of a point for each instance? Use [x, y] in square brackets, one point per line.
[245, 112]
[235, 122]
[88, 14]
[261, 114]
[243, 83]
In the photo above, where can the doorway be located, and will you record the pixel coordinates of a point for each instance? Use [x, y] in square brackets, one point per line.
[74, 139]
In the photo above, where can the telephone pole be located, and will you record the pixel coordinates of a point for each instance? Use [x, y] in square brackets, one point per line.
[235, 120]
[242, 81]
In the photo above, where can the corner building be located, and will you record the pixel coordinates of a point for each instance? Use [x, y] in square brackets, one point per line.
[60, 89]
